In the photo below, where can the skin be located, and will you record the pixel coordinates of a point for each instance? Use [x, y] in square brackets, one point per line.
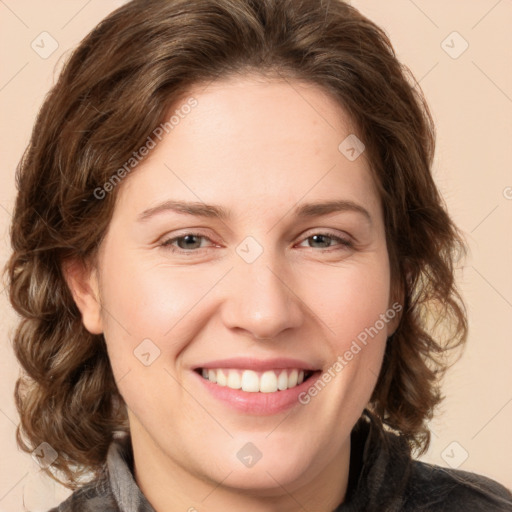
[258, 148]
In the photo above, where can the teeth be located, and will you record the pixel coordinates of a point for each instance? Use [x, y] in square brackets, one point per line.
[234, 380]
[282, 381]
[292, 378]
[269, 381]
[250, 381]
[221, 378]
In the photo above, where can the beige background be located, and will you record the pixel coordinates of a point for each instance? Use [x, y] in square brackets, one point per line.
[471, 100]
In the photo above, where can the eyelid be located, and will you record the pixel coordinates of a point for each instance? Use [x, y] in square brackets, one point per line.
[165, 241]
[343, 239]
[326, 231]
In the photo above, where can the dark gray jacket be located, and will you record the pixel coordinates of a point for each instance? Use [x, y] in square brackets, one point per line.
[382, 478]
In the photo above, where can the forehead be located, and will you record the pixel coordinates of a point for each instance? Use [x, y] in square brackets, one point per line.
[254, 108]
[251, 142]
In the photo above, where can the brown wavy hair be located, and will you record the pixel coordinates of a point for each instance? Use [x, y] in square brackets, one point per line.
[114, 89]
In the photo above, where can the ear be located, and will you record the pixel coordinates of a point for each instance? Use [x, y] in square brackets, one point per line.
[82, 281]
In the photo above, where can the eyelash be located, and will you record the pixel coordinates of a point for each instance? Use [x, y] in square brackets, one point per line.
[167, 244]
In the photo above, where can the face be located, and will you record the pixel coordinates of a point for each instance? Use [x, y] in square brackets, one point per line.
[267, 293]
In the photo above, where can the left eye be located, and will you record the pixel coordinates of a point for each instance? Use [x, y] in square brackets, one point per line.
[191, 241]
[320, 237]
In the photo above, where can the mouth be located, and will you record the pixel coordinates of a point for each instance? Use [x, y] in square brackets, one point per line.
[254, 386]
[252, 381]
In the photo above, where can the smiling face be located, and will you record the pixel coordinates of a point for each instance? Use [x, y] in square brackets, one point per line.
[251, 290]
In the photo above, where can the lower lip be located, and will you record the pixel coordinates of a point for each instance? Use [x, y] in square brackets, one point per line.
[259, 403]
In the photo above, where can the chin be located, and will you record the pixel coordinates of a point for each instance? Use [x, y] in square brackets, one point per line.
[267, 475]
[266, 480]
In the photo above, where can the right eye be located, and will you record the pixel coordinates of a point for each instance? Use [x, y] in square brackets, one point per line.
[185, 243]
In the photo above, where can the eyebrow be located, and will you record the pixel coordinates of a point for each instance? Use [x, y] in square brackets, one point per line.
[305, 210]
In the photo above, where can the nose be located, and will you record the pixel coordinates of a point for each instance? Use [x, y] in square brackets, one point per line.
[261, 300]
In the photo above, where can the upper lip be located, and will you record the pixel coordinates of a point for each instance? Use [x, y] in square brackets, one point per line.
[250, 363]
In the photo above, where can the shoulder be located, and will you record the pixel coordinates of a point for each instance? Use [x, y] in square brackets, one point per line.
[94, 496]
[388, 479]
[114, 489]
[433, 488]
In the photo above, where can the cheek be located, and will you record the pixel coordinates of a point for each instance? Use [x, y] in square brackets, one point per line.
[150, 299]
[352, 301]
[147, 312]
[160, 303]
[349, 299]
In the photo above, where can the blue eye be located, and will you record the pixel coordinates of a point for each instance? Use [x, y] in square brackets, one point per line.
[189, 243]
[319, 237]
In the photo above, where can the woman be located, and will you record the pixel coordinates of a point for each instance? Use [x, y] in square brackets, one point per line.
[255, 370]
